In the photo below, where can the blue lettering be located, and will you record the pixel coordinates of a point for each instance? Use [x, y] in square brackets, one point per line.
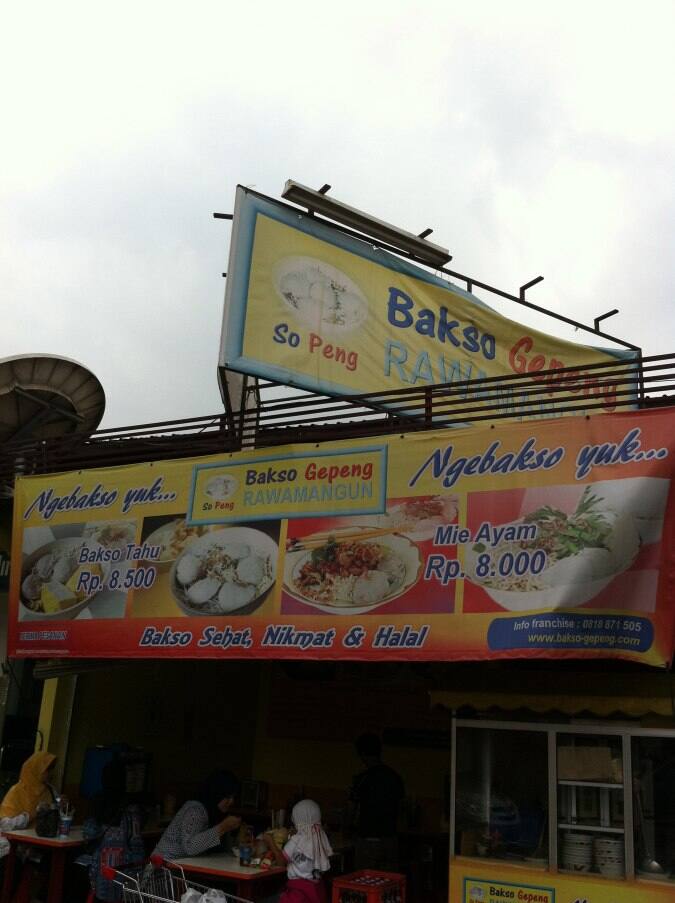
[146, 495]
[426, 322]
[434, 325]
[398, 361]
[48, 504]
[438, 464]
[398, 308]
[446, 328]
[422, 369]
[470, 339]
[625, 452]
[488, 345]
[449, 470]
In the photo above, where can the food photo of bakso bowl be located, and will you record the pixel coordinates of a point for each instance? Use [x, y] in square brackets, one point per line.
[572, 558]
[351, 571]
[52, 585]
[227, 571]
[173, 538]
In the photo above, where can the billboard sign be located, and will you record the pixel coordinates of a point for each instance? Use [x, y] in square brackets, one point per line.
[310, 306]
[467, 544]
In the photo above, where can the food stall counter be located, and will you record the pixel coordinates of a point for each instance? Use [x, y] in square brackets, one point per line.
[593, 809]
[485, 881]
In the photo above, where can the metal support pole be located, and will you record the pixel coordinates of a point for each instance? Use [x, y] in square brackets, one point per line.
[598, 320]
[453, 783]
[552, 801]
[486, 756]
[524, 288]
[628, 820]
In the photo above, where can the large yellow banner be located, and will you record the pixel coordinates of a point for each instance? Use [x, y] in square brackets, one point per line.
[306, 305]
[533, 540]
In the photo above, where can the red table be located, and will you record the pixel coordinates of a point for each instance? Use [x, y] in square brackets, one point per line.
[249, 881]
[58, 849]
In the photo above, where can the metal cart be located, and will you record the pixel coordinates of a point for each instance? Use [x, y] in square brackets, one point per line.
[160, 881]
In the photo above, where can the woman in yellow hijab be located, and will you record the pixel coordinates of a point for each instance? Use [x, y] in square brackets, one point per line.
[32, 788]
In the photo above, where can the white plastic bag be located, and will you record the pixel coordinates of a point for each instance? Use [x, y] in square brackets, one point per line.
[213, 896]
[191, 896]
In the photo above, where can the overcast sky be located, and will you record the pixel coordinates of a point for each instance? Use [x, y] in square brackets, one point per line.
[533, 140]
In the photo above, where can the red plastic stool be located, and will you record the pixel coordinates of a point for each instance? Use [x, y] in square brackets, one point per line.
[369, 886]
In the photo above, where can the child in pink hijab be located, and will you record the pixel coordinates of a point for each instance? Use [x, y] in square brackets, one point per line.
[305, 855]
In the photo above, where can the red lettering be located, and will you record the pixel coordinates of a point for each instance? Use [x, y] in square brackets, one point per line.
[333, 352]
[610, 396]
[343, 471]
[537, 363]
[554, 379]
[315, 341]
[517, 361]
[574, 381]
[571, 381]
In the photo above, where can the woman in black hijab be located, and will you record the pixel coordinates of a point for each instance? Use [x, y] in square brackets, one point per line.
[201, 823]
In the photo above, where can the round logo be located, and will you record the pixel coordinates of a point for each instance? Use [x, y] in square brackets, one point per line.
[221, 487]
[322, 297]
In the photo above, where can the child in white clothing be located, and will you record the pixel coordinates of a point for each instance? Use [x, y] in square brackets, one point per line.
[305, 855]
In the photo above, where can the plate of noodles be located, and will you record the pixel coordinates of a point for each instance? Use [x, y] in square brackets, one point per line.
[350, 571]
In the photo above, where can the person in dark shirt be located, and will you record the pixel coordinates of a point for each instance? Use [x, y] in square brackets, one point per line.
[377, 793]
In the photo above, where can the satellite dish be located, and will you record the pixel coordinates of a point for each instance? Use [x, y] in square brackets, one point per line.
[43, 396]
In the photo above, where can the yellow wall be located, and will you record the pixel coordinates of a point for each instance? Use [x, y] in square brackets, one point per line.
[195, 716]
[55, 721]
[191, 716]
[333, 763]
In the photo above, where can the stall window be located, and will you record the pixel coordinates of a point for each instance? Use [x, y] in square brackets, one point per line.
[590, 805]
[501, 795]
[654, 807]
